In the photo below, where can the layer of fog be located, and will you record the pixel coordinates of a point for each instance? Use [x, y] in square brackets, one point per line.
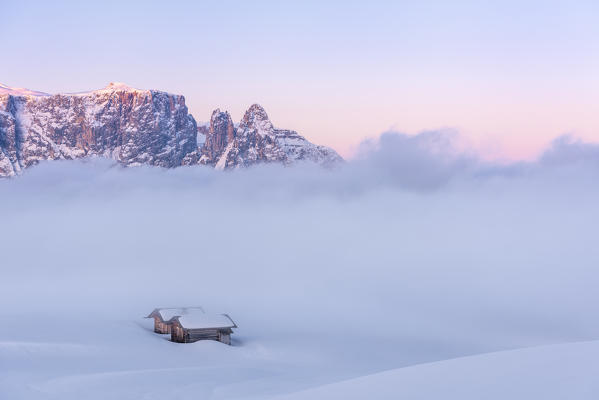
[423, 250]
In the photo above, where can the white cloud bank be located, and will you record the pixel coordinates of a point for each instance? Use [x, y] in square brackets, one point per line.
[413, 252]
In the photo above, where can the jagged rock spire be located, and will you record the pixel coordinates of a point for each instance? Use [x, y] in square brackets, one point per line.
[255, 120]
[255, 113]
[221, 132]
[255, 141]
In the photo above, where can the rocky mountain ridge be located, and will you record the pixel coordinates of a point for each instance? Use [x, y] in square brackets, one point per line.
[139, 127]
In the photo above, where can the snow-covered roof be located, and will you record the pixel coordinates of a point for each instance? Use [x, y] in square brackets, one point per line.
[169, 313]
[206, 321]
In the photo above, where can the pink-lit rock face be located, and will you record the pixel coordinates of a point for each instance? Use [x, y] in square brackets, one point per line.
[138, 127]
[255, 140]
[131, 126]
[220, 132]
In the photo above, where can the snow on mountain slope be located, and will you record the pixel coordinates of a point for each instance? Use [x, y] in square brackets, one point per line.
[112, 87]
[131, 126]
[297, 148]
[256, 140]
[557, 372]
[4, 89]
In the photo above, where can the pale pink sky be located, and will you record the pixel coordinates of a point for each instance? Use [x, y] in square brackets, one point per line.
[509, 76]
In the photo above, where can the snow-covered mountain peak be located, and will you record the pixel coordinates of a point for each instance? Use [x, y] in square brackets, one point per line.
[257, 110]
[112, 87]
[255, 113]
[222, 120]
[220, 117]
[119, 86]
[5, 89]
[256, 120]
[217, 114]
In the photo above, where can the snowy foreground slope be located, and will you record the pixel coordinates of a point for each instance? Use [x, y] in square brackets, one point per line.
[125, 361]
[565, 371]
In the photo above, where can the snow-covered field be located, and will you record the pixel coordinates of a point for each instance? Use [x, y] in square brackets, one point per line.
[566, 371]
[413, 279]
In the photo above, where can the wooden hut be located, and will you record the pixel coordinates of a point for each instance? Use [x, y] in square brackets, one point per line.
[191, 328]
[163, 316]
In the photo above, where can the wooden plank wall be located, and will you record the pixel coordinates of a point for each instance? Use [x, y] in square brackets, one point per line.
[181, 335]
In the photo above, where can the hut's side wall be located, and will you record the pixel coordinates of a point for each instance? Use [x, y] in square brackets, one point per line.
[221, 335]
[224, 337]
[177, 334]
[202, 334]
[160, 326]
[182, 335]
[157, 325]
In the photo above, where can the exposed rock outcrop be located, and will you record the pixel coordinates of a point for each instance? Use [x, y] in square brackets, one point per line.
[256, 140]
[132, 126]
[220, 133]
[136, 127]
